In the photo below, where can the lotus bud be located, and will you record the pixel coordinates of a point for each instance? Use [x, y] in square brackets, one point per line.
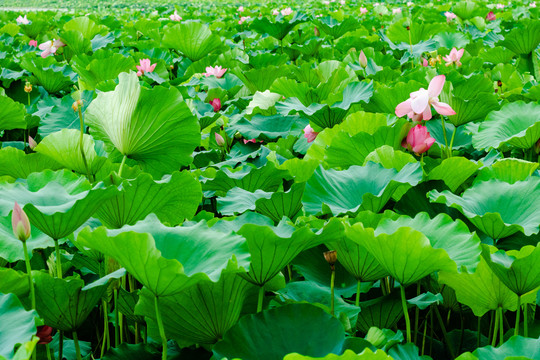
[424, 62]
[76, 105]
[32, 143]
[28, 87]
[20, 223]
[44, 334]
[362, 59]
[331, 257]
[219, 139]
[316, 31]
[216, 104]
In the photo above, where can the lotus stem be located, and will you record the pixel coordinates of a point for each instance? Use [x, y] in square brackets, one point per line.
[116, 319]
[416, 314]
[501, 326]
[406, 313]
[495, 328]
[29, 272]
[452, 142]
[260, 299]
[59, 271]
[525, 321]
[77, 348]
[332, 283]
[81, 141]
[289, 272]
[61, 346]
[425, 331]
[106, 340]
[479, 334]
[122, 165]
[516, 328]
[48, 350]
[444, 134]
[445, 335]
[357, 302]
[137, 335]
[161, 329]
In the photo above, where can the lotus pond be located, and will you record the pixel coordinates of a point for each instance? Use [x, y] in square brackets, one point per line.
[310, 180]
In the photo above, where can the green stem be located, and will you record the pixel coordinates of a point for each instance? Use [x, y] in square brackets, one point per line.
[495, 328]
[122, 165]
[516, 328]
[525, 321]
[416, 314]
[81, 142]
[48, 350]
[406, 313]
[29, 272]
[116, 319]
[61, 346]
[479, 334]
[260, 299]
[357, 302]
[289, 272]
[424, 335]
[422, 164]
[501, 326]
[137, 334]
[105, 327]
[77, 348]
[445, 335]
[161, 330]
[332, 282]
[444, 134]
[59, 271]
[452, 142]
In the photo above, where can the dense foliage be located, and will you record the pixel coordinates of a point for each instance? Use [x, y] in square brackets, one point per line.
[336, 180]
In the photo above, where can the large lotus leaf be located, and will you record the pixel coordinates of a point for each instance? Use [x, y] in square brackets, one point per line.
[153, 127]
[75, 42]
[288, 328]
[127, 351]
[57, 203]
[57, 113]
[168, 260]
[65, 304]
[386, 98]
[17, 164]
[278, 29]
[451, 39]
[524, 37]
[357, 188]
[509, 170]
[50, 75]
[518, 270]
[64, 148]
[418, 31]
[85, 26]
[354, 257]
[516, 124]
[11, 248]
[280, 204]
[195, 40]
[238, 200]
[496, 207]
[15, 282]
[12, 115]
[367, 354]
[390, 158]
[266, 127]
[517, 347]
[335, 28]
[443, 233]
[383, 312]
[482, 291]
[200, 314]
[173, 199]
[406, 254]
[272, 248]
[101, 66]
[17, 326]
[454, 171]
[289, 88]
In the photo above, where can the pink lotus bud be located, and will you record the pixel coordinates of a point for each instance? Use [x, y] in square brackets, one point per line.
[490, 16]
[309, 134]
[32, 43]
[20, 223]
[216, 104]
[31, 142]
[362, 59]
[424, 62]
[219, 139]
[418, 140]
[316, 31]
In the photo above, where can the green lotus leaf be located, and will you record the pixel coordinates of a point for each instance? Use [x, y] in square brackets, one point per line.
[17, 326]
[76, 42]
[65, 304]
[48, 72]
[15, 282]
[288, 329]
[280, 204]
[335, 28]
[482, 291]
[13, 114]
[127, 351]
[290, 88]
[450, 40]
[168, 260]
[516, 347]
[238, 200]
[398, 32]
[102, 65]
[508, 170]
[262, 103]
[11, 248]
[64, 148]
[153, 127]
[100, 41]
[357, 188]
[386, 98]
[462, 139]
[367, 354]
[516, 124]
[200, 314]
[37, 25]
[443, 233]
[261, 79]
[454, 171]
[390, 158]
[496, 207]
[278, 29]
[195, 40]
[267, 127]
[407, 351]
[173, 199]
[524, 36]
[465, 9]
[423, 301]
[518, 270]
[57, 203]
[85, 26]
[19, 165]
[406, 254]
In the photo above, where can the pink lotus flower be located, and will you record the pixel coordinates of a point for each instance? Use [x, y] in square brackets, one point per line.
[532, 5]
[175, 16]
[326, 2]
[449, 16]
[219, 139]
[275, 12]
[287, 11]
[217, 71]
[410, 3]
[454, 57]
[32, 143]
[342, 2]
[376, 4]
[363, 10]
[32, 43]
[309, 134]
[240, 8]
[490, 16]
[145, 67]
[50, 47]
[216, 104]
[418, 140]
[22, 20]
[250, 141]
[20, 223]
[425, 63]
[396, 11]
[243, 19]
[418, 107]
[500, 6]
[362, 59]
